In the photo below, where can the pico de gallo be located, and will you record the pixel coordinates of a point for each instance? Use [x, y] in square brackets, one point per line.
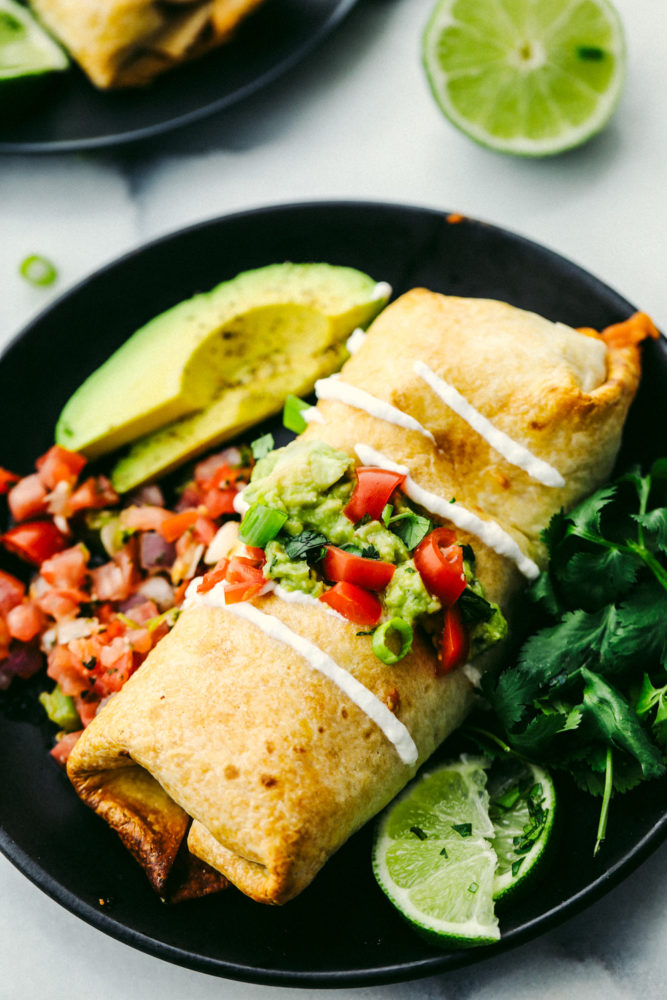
[108, 574]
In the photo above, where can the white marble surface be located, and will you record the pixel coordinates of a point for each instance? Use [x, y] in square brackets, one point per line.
[354, 121]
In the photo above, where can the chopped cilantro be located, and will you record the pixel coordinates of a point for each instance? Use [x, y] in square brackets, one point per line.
[306, 545]
[261, 446]
[463, 829]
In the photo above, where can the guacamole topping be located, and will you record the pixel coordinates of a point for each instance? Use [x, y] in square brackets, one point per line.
[312, 483]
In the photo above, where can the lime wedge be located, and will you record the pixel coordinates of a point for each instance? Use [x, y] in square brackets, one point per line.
[433, 858]
[522, 808]
[529, 77]
[27, 56]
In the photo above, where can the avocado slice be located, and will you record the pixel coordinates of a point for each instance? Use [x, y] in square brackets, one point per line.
[244, 329]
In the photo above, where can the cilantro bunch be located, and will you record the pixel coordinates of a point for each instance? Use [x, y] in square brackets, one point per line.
[588, 692]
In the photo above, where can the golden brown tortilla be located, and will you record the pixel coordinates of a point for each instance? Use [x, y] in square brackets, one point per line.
[127, 43]
[273, 763]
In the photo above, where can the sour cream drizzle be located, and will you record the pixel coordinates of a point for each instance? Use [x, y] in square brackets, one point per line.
[334, 388]
[364, 699]
[488, 532]
[515, 453]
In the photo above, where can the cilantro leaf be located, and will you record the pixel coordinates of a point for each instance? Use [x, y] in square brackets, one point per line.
[411, 528]
[585, 518]
[598, 577]
[618, 723]
[474, 608]
[261, 446]
[641, 628]
[655, 523]
[543, 593]
[306, 545]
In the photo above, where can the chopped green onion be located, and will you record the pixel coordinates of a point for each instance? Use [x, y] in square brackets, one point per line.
[473, 887]
[261, 524]
[38, 270]
[382, 650]
[60, 709]
[293, 418]
[418, 832]
[261, 446]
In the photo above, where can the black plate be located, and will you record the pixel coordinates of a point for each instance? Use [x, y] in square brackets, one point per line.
[341, 930]
[269, 42]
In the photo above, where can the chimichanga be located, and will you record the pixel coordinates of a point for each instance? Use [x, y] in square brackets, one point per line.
[127, 43]
[270, 724]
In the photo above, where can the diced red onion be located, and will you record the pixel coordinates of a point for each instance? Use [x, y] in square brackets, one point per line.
[23, 661]
[190, 497]
[150, 495]
[154, 551]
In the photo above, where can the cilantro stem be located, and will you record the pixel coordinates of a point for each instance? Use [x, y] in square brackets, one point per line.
[632, 548]
[606, 799]
[493, 739]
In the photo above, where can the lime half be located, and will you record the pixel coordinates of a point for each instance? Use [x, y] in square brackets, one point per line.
[529, 77]
[522, 808]
[433, 858]
[27, 56]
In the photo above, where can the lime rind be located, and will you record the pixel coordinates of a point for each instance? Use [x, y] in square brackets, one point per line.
[514, 824]
[533, 84]
[26, 50]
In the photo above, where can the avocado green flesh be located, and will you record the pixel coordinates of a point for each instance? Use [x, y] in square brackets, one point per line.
[26, 50]
[312, 483]
[185, 359]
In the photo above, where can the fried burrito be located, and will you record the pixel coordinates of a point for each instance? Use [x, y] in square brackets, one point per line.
[127, 43]
[267, 730]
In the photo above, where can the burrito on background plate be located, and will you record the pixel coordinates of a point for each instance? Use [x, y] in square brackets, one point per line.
[267, 731]
[127, 43]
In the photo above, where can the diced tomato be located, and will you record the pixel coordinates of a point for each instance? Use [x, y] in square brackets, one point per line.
[373, 574]
[93, 493]
[215, 472]
[6, 479]
[354, 603]
[87, 707]
[242, 569]
[59, 603]
[454, 647]
[242, 591]
[5, 639]
[146, 518]
[68, 671]
[59, 465]
[34, 541]
[219, 502]
[215, 575]
[440, 563]
[12, 591]
[25, 621]
[372, 492]
[27, 498]
[66, 569]
[114, 580]
[204, 529]
[64, 747]
[175, 525]
[255, 554]
[140, 639]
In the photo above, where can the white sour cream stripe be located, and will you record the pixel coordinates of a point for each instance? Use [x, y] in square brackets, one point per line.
[392, 727]
[512, 451]
[334, 388]
[364, 699]
[488, 532]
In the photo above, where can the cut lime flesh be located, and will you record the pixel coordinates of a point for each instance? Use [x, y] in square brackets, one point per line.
[529, 77]
[433, 859]
[522, 809]
[26, 50]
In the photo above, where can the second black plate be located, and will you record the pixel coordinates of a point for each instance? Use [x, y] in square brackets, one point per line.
[77, 116]
[341, 930]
